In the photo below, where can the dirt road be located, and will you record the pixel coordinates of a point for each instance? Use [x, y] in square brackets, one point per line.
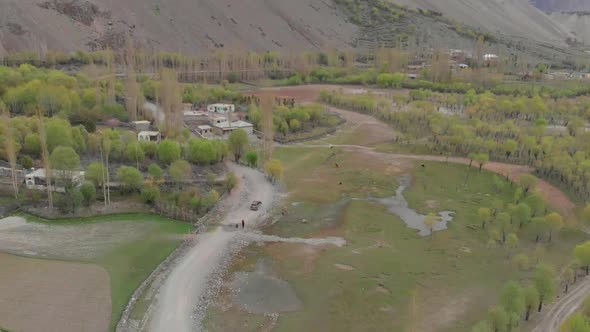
[187, 284]
[564, 307]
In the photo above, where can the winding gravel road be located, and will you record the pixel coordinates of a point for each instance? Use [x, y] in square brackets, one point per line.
[560, 310]
[187, 284]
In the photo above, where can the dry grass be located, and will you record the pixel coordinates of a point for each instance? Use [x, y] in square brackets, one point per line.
[54, 295]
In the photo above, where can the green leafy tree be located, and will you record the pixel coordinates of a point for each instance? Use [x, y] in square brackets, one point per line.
[150, 194]
[555, 223]
[575, 323]
[521, 214]
[512, 241]
[201, 151]
[512, 298]
[65, 158]
[26, 162]
[58, 133]
[545, 283]
[482, 159]
[504, 225]
[95, 173]
[531, 300]
[130, 178]
[521, 261]
[210, 200]
[539, 227]
[582, 253]
[168, 151]
[527, 182]
[252, 158]
[498, 319]
[134, 152]
[485, 215]
[231, 181]
[274, 169]
[155, 172]
[33, 144]
[88, 191]
[238, 143]
[180, 171]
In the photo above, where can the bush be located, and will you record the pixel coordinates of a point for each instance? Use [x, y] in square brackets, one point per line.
[150, 194]
[252, 158]
[168, 151]
[26, 162]
[521, 262]
[231, 181]
[88, 191]
[233, 77]
[131, 179]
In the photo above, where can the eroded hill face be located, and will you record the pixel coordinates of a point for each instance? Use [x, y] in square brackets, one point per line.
[578, 23]
[510, 17]
[562, 5]
[199, 26]
[173, 25]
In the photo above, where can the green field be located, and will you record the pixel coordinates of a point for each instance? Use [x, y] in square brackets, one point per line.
[130, 263]
[393, 279]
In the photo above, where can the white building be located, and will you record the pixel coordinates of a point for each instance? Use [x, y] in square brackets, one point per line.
[150, 136]
[37, 180]
[205, 131]
[221, 108]
[463, 66]
[225, 128]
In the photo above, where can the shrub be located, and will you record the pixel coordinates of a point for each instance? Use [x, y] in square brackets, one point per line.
[88, 192]
[150, 194]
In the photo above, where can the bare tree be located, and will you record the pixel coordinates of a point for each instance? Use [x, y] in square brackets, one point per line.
[10, 148]
[45, 156]
[171, 102]
[132, 94]
[267, 126]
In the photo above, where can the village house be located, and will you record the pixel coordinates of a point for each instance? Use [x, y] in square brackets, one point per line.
[150, 136]
[225, 128]
[221, 108]
[37, 180]
[195, 116]
[205, 130]
[141, 125]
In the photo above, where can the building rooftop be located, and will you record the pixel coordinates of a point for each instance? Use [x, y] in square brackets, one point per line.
[141, 122]
[40, 172]
[149, 133]
[203, 127]
[235, 124]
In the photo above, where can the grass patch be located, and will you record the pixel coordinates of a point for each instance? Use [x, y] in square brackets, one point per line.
[130, 263]
[393, 279]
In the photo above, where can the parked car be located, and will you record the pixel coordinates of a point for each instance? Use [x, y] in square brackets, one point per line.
[255, 205]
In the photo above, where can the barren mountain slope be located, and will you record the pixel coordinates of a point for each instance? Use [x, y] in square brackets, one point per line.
[509, 17]
[562, 5]
[173, 25]
[577, 23]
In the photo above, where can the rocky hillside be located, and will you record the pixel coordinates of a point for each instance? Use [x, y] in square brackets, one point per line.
[172, 25]
[202, 25]
[576, 22]
[562, 5]
[507, 17]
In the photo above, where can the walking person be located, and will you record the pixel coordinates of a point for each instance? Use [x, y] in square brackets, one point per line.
[243, 224]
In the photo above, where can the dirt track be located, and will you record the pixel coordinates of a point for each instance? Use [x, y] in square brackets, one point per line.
[564, 307]
[179, 305]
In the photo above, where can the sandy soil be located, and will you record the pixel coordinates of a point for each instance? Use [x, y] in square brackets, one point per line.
[54, 295]
[183, 291]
